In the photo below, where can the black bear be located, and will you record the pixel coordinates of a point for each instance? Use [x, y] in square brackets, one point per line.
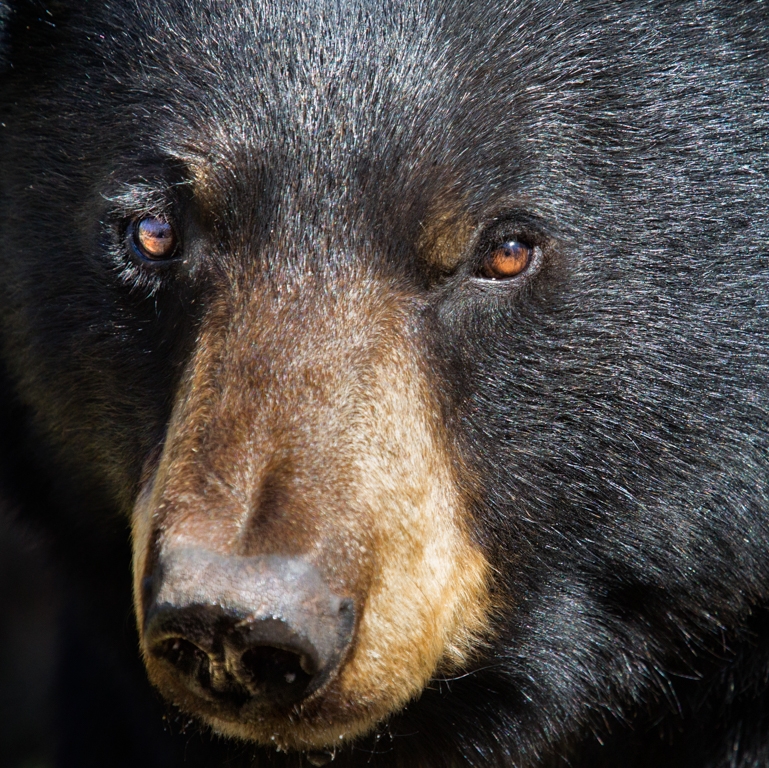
[418, 353]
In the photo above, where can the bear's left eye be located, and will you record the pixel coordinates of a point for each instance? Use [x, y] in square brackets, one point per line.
[506, 260]
[152, 238]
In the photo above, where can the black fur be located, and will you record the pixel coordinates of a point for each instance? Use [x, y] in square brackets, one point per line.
[616, 405]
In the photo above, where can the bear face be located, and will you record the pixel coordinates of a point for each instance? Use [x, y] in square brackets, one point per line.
[422, 346]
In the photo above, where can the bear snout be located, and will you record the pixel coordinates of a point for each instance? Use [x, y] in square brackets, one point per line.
[302, 560]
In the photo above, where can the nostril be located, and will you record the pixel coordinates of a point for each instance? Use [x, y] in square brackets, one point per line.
[281, 676]
[185, 656]
[206, 674]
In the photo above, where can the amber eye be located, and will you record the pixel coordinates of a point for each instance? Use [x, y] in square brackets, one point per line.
[153, 238]
[506, 260]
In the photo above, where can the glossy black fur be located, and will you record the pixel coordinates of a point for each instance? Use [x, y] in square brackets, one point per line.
[615, 406]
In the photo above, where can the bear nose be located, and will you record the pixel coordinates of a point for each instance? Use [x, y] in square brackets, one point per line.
[233, 629]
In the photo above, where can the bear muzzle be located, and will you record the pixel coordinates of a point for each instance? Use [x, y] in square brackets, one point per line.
[303, 561]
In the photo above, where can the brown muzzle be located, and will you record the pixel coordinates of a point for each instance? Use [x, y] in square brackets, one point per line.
[303, 556]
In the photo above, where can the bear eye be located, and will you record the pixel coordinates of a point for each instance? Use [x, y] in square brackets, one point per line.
[506, 260]
[153, 238]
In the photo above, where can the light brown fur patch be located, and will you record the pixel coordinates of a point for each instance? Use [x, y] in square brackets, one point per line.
[446, 232]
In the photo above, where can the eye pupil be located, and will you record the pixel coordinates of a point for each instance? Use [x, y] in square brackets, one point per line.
[155, 238]
[507, 260]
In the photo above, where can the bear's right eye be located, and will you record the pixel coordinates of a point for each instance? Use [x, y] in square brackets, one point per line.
[152, 238]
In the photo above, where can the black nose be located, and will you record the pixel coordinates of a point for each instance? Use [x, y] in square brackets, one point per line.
[266, 630]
